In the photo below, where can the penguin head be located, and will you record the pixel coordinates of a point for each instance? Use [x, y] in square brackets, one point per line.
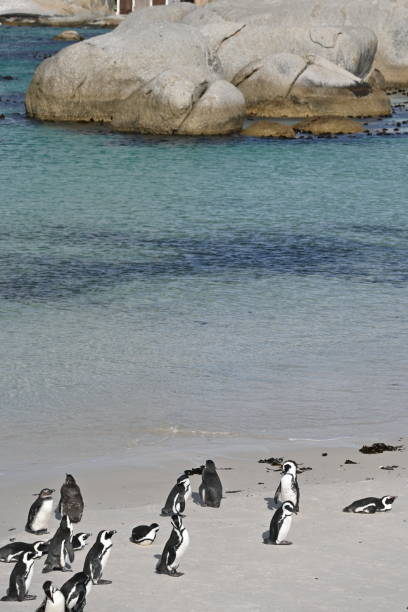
[65, 522]
[154, 526]
[288, 508]
[41, 547]
[104, 536]
[388, 500]
[69, 479]
[289, 467]
[30, 555]
[44, 493]
[49, 590]
[183, 480]
[210, 465]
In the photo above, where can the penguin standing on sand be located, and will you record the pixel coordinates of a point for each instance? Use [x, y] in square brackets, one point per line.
[80, 540]
[75, 590]
[97, 557]
[369, 505]
[40, 512]
[144, 535]
[10, 553]
[288, 489]
[54, 600]
[280, 524]
[71, 502]
[60, 552]
[210, 489]
[174, 548]
[20, 579]
[176, 500]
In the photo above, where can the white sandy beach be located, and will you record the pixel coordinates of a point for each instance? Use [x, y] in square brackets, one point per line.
[338, 561]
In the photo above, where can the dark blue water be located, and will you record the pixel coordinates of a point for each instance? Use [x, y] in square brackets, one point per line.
[226, 288]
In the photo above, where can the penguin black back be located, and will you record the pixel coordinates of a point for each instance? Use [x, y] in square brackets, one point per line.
[71, 502]
[75, 591]
[60, 551]
[144, 535]
[210, 489]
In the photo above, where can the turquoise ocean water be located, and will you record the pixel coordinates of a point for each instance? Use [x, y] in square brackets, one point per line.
[160, 291]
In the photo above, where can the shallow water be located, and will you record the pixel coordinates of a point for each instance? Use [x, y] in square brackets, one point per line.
[159, 290]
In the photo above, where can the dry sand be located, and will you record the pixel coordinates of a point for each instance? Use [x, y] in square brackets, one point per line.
[338, 561]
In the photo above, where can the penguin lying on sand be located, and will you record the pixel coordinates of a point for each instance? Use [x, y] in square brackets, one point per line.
[54, 600]
[369, 505]
[144, 535]
[174, 548]
[10, 553]
[280, 524]
[20, 579]
[40, 513]
[80, 540]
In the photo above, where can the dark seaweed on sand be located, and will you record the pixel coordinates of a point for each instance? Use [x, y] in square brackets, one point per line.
[272, 461]
[379, 447]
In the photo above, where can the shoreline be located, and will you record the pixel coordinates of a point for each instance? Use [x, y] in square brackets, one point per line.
[337, 561]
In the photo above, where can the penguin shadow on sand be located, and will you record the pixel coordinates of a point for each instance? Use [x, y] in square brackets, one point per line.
[195, 496]
[271, 503]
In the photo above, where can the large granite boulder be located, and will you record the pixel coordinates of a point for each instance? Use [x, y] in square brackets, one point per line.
[388, 19]
[159, 78]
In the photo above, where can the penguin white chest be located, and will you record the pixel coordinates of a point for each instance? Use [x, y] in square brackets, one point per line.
[43, 516]
[58, 605]
[288, 491]
[29, 577]
[284, 530]
[183, 546]
[105, 557]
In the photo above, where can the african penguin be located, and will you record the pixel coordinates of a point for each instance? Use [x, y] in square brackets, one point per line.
[54, 600]
[80, 540]
[280, 524]
[20, 578]
[210, 489]
[176, 500]
[144, 535]
[369, 505]
[11, 552]
[60, 552]
[40, 512]
[174, 548]
[76, 590]
[71, 502]
[288, 489]
[98, 556]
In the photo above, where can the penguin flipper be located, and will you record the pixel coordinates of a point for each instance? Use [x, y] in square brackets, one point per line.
[277, 493]
[69, 549]
[96, 571]
[20, 588]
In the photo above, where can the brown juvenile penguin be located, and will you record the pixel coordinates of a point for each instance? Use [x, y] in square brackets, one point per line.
[71, 502]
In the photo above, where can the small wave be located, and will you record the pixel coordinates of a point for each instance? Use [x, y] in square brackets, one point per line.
[174, 430]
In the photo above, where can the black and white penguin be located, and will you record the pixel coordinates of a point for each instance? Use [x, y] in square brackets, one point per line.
[54, 600]
[20, 579]
[10, 553]
[174, 548]
[369, 505]
[97, 557]
[280, 524]
[176, 500]
[60, 552]
[288, 489]
[144, 535]
[75, 590]
[40, 512]
[210, 489]
[71, 502]
[80, 540]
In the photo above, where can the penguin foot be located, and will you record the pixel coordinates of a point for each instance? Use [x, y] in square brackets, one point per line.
[176, 574]
[29, 597]
[283, 543]
[104, 581]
